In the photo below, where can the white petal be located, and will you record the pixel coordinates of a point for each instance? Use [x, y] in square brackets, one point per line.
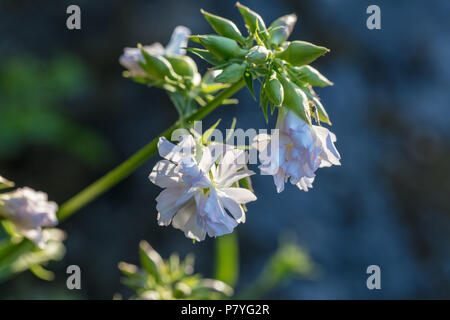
[167, 204]
[240, 195]
[278, 179]
[234, 208]
[193, 175]
[178, 41]
[165, 174]
[224, 182]
[232, 160]
[207, 160]
[155, 49]
[173, 152]
[185, 220]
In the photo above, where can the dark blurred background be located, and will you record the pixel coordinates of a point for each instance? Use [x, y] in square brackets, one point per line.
[67, 116]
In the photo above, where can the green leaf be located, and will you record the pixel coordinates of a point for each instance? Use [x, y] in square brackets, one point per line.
[249, 82]
[151, 261]
[4, 183]
[263, 101]
[208, 132]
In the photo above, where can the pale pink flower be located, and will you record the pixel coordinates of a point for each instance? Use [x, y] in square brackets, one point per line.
[29, 211]
[296, 151]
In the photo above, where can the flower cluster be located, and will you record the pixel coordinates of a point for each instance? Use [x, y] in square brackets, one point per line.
[201, 193]
[201, 182]
[29, 211]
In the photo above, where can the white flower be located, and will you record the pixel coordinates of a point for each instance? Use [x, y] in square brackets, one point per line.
[296, 152]
[29, 211]
[198, 197]
[131, 56]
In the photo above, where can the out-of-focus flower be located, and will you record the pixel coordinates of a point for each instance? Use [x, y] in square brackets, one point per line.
[169, 279]
[296, 151]
[132, 56]
[29, 211]
[198, 192]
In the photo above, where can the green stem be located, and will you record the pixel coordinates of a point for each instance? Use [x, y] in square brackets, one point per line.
[131, 164]
[227, 258]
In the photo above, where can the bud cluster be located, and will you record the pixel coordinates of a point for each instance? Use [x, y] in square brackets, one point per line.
[266, 53]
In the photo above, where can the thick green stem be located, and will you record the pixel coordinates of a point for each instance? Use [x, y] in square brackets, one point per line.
[126, 168]
[227, 258]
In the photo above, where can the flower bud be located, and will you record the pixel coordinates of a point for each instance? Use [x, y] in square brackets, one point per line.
[274, 90]
[312, 76]
[4, 183]
[282, 28]
[251, 18]
[299, 53]
[223, 27]
[222, 47]
[183, 65]
[157, 67]
[295, 99]
[257, 55]
[232, 73]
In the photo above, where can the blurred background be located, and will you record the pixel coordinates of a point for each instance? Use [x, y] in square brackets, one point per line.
[67, 116]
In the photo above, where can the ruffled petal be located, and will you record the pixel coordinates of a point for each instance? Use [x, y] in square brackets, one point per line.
[178, 41]
[240, 195]
[165, 174]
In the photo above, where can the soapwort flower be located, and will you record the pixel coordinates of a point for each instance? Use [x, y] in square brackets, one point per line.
[200, 195]
[133, 57]
[29, 211]
[296, 151]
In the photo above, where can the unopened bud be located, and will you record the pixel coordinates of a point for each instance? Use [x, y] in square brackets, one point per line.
[223, 27]
[295, 99]
[157, 67]
[312, 76]
[232, 73]
[274, 90]
[299, 53]
[183, 65]
[282, 28]
[251, 18]
[221, 47]
[257, 55]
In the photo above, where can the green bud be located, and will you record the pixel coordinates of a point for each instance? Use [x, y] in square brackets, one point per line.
[251, 18]
[274, 90]
[299, 53]
[257, 55]
[223, 27]
[282, 28]
[312, 76]
[183, 65]
[221, 47]
[295, 99]
[157, 67]
[232, 73]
